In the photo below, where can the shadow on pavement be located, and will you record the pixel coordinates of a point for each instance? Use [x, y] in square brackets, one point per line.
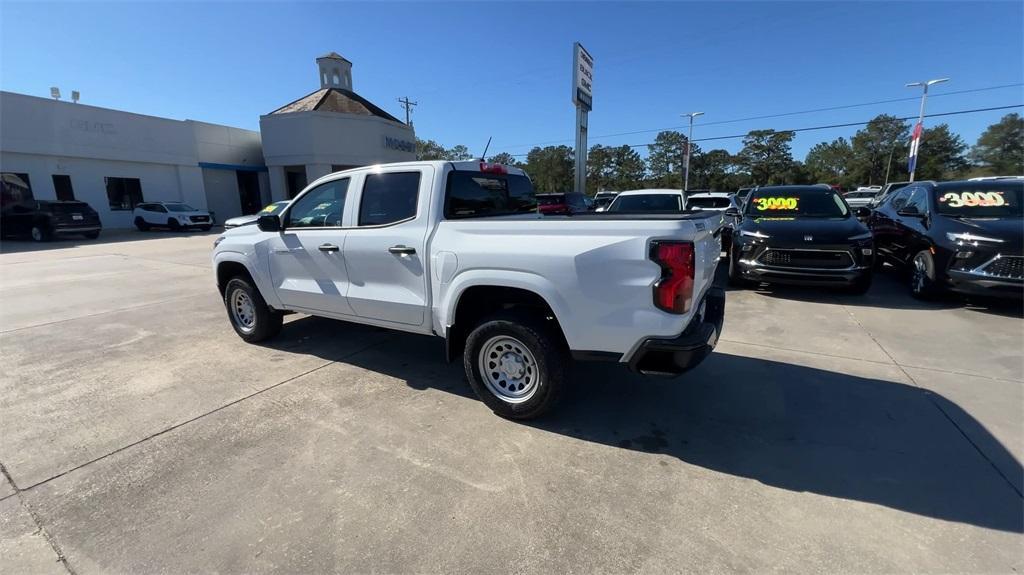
[792, 427]
[19, 245]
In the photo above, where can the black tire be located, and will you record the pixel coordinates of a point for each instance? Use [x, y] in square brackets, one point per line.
[205, 228]
[736, 278]
[861, 285]
[91, 235]
[266, 323]
[41, 232]
[922, 276]
[546, 351]
[141, 224]
[173, 224]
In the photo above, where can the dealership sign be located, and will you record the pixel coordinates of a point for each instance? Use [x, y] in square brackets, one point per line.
[582, 78]
[399, 144]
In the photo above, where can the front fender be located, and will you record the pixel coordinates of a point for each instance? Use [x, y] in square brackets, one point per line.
[251, 263]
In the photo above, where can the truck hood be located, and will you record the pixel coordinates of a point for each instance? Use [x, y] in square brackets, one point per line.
[824, 230]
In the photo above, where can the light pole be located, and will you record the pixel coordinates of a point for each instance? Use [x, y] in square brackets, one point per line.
[689, 146]
[915, 142]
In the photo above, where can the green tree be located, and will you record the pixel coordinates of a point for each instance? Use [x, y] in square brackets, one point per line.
[830, 162]
[941, 155]
[766, 155]
[711, 170]
[458, 153]
[629, 168]
[665, 159]
[884, 138]
[1000, 148]
[551, 168]
[503, 158]
[430, 150]
[798, 174]
[600, 168]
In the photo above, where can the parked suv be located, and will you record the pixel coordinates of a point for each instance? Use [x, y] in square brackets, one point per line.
[173, 215]
[966, 236]
[561, 204]
[42, 220]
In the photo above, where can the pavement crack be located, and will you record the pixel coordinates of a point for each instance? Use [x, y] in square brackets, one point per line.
[129, 308]
[37, 520]
[205, 414]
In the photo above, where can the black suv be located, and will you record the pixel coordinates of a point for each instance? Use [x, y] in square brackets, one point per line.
[41, 220]
[965, 236]
[806, 235]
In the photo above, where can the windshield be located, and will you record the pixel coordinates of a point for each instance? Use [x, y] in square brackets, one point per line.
[647, 203]
[708, 203]
[814, 203]
[478, 194]
[980, 201]
[179, 208]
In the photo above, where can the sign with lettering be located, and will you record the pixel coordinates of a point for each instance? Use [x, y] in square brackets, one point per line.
[399, 144]
[582, 78]
[88, 126]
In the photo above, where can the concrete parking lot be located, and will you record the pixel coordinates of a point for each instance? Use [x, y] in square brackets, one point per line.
[827, 432]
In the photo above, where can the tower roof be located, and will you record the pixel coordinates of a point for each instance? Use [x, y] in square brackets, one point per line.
[335, 100]
[335, 56]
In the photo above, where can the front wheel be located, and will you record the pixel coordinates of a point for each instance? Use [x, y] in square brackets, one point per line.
[91, 235]
[249, 313]
[205, 228]
[516, 365]
[141, 224]
[922, 276]
[40, 233]
[174, 225]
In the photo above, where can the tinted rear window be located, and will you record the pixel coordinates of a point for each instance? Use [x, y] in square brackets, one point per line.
[476, 194]
[706, 203]
[646, 203]
[68, 208]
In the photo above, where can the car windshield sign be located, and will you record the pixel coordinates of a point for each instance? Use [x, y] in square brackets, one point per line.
[980, 202]
[795, 202]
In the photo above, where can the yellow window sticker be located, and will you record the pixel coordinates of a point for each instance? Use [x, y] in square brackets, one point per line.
[268, 209]
[776, 203]
[972, 199]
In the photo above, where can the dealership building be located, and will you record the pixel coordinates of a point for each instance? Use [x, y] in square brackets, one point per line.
[57, 150]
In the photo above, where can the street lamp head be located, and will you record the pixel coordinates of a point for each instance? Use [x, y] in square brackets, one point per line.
[939, 81]
[692, 115]
[915, 84]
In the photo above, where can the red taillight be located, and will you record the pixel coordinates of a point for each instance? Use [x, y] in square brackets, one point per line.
[674, 291]
[492, 168]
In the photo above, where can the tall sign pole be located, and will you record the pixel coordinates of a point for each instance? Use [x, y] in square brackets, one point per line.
[583, 99]
[915, 139]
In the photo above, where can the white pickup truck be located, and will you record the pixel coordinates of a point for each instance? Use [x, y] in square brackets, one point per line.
[457, 250]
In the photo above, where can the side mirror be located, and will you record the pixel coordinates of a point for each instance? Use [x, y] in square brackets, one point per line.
[862, 212]
[269, 223]
[732, 212]
[910, 211]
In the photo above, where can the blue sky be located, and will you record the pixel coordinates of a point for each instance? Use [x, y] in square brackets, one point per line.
[503, 69]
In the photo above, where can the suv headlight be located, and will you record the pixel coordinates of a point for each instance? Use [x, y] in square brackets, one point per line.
[968, 237]
[753, 234]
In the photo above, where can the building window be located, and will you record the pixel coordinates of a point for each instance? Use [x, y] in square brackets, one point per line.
[388, 198]
[15, 188]
[123, 193]
[62, 185]
[336, 79]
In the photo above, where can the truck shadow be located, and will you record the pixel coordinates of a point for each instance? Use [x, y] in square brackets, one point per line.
[785, 425]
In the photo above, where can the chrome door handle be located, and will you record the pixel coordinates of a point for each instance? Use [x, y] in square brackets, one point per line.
[402, 250]
[328, 248]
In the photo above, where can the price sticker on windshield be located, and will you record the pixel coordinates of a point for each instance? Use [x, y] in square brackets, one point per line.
[268, 209]
[972, 199]
[776, 203]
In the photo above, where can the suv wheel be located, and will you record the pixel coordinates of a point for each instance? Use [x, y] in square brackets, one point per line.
[516, 365]
[141, 224]
[249, 313]
[922, 276]
[40, 233]
[173, 224]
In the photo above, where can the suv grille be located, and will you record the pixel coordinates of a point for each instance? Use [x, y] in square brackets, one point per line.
[807, 259]
[199, 218]
[1005, 267]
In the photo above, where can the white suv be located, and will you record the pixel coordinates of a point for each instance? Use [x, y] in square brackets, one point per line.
[173, 215]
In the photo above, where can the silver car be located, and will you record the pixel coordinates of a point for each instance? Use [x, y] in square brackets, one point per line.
[247, 220]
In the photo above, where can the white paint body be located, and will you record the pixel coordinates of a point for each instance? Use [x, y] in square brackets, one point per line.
[595, 274]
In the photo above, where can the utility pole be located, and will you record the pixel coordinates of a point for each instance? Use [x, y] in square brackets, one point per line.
[689, 146]
[407, 104]
[915, 141]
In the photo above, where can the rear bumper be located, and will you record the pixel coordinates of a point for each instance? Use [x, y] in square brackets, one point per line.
[674, 356]
[60, 230]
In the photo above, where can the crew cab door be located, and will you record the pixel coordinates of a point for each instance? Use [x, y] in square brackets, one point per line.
[385, 250]
[307, 265]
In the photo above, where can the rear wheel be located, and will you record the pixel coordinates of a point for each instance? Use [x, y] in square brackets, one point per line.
[141, 224]
[516, 365]
[40, 232]
[251, 317]
[922, 276]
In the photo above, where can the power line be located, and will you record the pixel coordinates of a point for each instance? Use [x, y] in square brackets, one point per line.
[780, 115]
[407, 104]
[846, 125]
